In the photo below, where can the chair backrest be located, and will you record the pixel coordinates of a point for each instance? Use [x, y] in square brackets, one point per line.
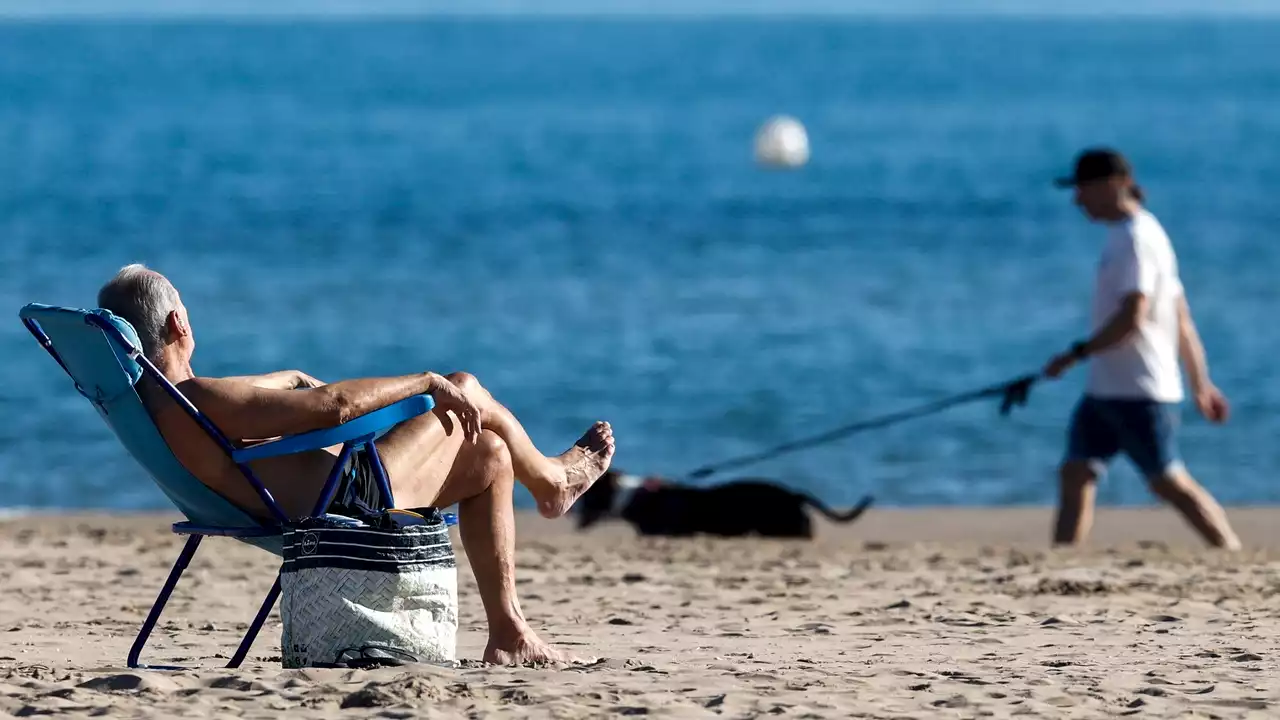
[105, 373]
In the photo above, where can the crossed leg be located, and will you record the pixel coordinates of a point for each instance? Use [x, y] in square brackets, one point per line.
[555, 483]
[429, 464]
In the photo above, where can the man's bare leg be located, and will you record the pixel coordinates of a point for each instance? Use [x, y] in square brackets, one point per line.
[1077, 486]
[1197, 506]
[555, 482]
[479, 479]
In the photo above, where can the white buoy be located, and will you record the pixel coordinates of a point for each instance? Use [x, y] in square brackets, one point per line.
[782, 142]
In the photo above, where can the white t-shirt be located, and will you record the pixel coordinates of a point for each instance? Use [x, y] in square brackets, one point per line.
[1138, 257]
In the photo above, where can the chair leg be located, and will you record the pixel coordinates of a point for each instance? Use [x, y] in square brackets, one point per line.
[380, 475]
[188, 551]
[263, 612]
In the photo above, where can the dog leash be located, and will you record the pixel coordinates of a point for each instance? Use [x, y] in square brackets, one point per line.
[1013, 392]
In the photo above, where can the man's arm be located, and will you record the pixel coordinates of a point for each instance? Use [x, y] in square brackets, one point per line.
[1134, 274]
[1121, 325]
[1209, 400]
[244, 410]
[1191, 349]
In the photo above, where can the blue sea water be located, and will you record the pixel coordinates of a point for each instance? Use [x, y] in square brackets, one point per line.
[569, 209]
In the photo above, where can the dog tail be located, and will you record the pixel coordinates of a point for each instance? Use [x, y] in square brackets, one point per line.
[840, 517]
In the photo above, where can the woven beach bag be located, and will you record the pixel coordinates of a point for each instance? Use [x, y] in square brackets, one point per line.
[373, 590]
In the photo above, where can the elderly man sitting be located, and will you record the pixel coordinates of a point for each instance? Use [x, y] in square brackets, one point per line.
[468, 451]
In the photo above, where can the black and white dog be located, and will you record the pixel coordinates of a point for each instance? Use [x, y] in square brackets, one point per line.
[740, 507]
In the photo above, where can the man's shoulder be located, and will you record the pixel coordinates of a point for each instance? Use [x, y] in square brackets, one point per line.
[199, 387]
[1142, 231]
[194, 383]
[1146, 227]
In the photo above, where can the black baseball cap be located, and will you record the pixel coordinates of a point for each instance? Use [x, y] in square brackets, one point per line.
[1096, 164]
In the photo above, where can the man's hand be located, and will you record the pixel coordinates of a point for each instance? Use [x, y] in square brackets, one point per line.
[304, 380]
[279, 380]
[1212, 403]
[450, 398]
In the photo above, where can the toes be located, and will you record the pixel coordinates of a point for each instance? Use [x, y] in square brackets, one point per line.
[598, 438]
[604, 431]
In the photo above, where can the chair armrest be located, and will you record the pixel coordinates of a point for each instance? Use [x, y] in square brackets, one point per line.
[361, 429]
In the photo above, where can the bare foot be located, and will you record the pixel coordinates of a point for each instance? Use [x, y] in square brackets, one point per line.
[526, 649]
[581, 466]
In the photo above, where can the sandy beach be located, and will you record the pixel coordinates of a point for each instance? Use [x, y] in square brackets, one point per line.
[922, 613]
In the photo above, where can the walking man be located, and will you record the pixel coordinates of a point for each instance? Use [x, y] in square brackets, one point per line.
[1141, 327]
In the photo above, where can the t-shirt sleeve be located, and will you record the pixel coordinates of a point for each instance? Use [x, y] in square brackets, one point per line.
[1136, 269]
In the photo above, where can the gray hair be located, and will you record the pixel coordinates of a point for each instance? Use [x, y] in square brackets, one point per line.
[145, 298]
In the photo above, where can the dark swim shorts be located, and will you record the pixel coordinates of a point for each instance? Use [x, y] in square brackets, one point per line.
[358, 492]
[1145, 430]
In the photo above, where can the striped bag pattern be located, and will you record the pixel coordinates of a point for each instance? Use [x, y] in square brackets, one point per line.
[347, 591]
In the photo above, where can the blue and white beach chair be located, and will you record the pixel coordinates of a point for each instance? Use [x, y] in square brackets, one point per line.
[102, 354]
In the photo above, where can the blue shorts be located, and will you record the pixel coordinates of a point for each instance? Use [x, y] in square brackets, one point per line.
[1145, 430]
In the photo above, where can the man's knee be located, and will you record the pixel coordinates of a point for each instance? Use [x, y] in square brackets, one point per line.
[464, 380]
[492, 453]
[1171, 484]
